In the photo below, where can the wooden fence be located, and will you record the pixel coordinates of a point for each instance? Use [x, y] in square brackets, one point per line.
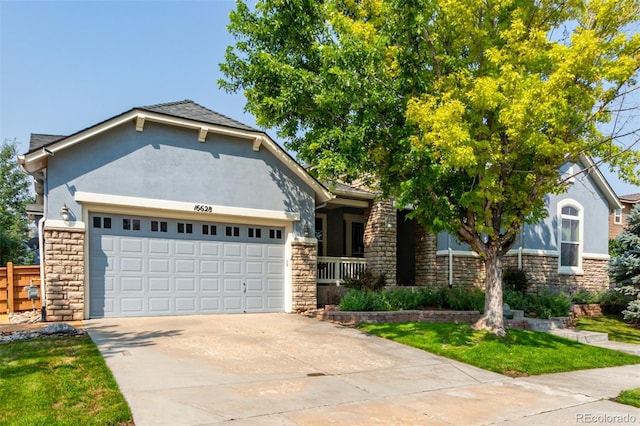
[14, 281]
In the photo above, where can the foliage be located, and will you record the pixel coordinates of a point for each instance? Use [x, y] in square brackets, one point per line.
[520, 353]
[408, 299]
[632, 313]
[629, 397]
[582, 296]
[624, 266]
[464, 110]
[615, 300]
[515, 279]
[613, 325]
[14, 195]
[544, 304]
[58, 381]
[335, 293]
[366, 280]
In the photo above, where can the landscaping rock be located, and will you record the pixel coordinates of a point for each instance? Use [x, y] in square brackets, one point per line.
[57, 330]
[28, 317]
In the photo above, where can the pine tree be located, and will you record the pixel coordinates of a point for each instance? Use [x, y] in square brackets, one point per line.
[14, 195]
[624, 267]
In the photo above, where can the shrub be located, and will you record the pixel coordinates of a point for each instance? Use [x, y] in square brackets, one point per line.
[335, 293]
[358, 300]
[465, 299]
[366, 281]
[515, 279]
[581, 296]
[402, 299]
[632, 313]
[547, 304]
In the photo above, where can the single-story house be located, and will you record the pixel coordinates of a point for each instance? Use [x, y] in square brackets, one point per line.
[174, 209]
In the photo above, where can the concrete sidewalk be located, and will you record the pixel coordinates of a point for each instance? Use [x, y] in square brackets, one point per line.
[289, 370]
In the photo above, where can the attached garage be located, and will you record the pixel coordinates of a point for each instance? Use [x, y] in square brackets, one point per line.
[173, 209]
[147, 266]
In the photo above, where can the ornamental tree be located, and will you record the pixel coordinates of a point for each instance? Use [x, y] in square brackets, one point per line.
[14, 195]
[465, 110]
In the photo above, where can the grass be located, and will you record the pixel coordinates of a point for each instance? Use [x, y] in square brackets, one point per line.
[618, 330]
[61, 381]
[520, 353]
[629, 397]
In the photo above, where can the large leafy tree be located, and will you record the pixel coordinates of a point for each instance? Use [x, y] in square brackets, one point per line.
[464, 109]
[14, 195]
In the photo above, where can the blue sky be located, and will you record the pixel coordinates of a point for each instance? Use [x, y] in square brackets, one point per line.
[66, 65]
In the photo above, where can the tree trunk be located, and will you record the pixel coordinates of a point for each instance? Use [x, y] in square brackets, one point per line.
[492, 319]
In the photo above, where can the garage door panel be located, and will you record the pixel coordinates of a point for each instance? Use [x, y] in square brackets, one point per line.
[148, 271]
[159, 284]
[159, 247]
[185, 248]
[160, 305]
[209, 284]
[132, 305]
[159, 266]
[210, 304]
[185, 284]
[131, 264]
[209, 266]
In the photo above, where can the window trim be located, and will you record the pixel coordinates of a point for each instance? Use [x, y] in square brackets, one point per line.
[617, 216]
[570, 270]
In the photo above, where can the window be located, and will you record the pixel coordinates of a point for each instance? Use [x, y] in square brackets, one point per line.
[570, 236]
[131, 224]
[185, 228]
[162, 226]
[275, 234]
[617, 216]
[102, 222]
[233, 231]
[321, 231]
[209, 230]
[255, 233]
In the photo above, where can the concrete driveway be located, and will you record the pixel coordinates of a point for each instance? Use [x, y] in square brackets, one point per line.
[292, 370]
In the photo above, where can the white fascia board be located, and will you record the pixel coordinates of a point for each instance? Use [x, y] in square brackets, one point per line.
[350, 202]
[601, 183]
[207, 211]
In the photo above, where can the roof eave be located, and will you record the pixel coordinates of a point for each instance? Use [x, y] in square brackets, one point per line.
[601, 183]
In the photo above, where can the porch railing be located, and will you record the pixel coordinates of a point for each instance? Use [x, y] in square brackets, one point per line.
[336, 269]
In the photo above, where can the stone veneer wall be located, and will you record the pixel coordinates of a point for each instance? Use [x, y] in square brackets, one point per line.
[426, 268]
[380, 239]
[304, 257]
[542, 272]
[64, 274]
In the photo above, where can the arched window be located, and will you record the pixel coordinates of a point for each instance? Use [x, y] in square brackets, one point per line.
[570, 236]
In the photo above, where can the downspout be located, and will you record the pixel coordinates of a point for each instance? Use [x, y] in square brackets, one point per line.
[520, 249]
[450, 267]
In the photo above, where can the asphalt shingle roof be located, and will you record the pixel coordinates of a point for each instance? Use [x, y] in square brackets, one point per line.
[630, 198]
[193, 111]
[39, 140]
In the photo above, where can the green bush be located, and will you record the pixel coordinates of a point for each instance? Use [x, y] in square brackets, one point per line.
[581, 296]
[465, 299]
[616, 300]
[632, 313]
[358, 300]
[545, 304]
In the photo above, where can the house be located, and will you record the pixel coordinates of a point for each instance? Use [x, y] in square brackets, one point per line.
[174, 209]
[617, 218]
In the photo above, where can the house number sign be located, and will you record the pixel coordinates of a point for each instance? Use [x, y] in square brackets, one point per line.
[202, 208]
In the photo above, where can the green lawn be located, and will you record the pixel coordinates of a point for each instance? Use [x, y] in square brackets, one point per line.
[58, 381]
[618, 330]
[630, 397]
[520, 353]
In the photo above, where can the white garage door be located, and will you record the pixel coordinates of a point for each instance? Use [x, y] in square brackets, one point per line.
[145, 266]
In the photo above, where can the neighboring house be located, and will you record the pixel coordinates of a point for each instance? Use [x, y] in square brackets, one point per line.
[618, 218]
[173, 209]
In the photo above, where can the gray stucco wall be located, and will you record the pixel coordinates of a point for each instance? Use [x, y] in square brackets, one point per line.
[543, 235]
[168, 163]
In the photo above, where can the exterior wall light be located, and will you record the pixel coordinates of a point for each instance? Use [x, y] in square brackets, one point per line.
[306, 231]
[64, 212]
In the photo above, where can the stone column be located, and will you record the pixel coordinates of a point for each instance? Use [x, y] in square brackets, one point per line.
[304, 261]
[425, 257]
[380, 239]
[64, 274]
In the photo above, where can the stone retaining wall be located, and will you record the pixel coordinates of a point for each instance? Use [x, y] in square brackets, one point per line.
[587, 310]
[64, 274]
[457, 317]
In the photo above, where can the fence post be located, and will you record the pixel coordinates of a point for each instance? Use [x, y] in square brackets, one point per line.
[10, 287]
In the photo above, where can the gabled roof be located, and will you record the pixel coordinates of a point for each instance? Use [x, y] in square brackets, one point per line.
[193, 111]
[185, 114]
[601, 182]
[630, 198]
